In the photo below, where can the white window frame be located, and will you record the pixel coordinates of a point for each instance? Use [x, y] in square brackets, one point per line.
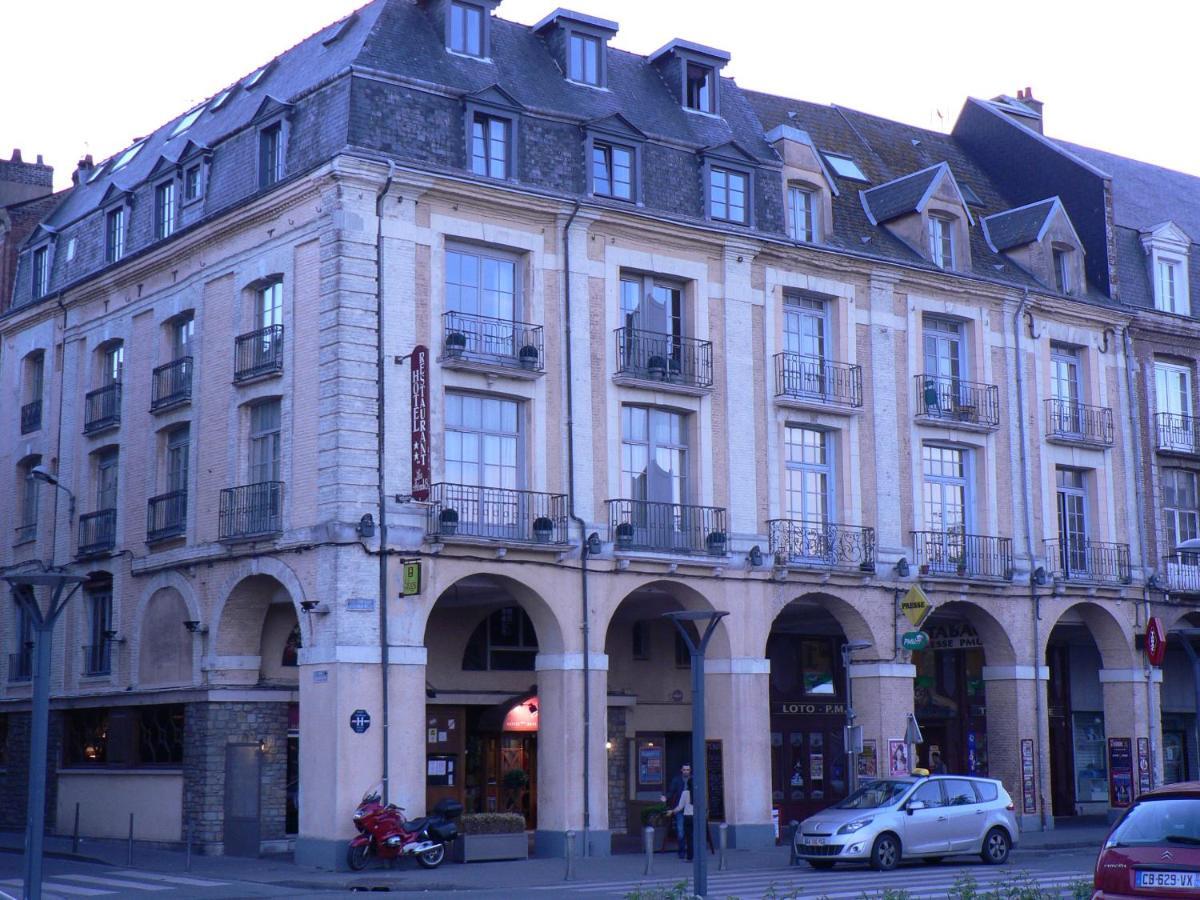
[804, 469]
[1063, 263]
[116, 228]
[1179, 301]
[804, 215]
[165, 207]
[943, 241]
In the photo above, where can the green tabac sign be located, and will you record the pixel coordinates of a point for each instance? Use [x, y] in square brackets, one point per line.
[914, 640]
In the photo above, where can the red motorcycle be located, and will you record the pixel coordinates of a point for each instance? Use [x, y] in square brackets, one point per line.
[384, 832]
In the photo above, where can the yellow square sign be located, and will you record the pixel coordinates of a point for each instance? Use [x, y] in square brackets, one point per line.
[915, 606]
[410, 583]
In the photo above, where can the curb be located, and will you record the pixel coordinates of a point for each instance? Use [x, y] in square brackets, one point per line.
[59, 854]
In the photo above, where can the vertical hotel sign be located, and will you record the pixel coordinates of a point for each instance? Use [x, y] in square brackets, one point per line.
[420, 422]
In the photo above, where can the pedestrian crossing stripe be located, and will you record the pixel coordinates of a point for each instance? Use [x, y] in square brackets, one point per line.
[171, 879]
[80, 885]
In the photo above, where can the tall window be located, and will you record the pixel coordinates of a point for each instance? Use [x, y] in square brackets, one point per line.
[651, 305]
[191, 183]
[28, 487]
[35, 376]
[178, 447]
[727, 192]
[491, 146]
[583, 58]
[481, 284]
[654, 455]
[943, 346]
[270, 155]
[466, 28]
[1173, 403]
[1072, 520]
[483, 441]
[106, 479]
[945, 489]
[805, 322]
[612, 170]
[1066, 416]
[164, 209]
[264, 442]
[183, 331]
[114, 234]
[112, 365]
[809, 474]
[41, 271]
[99, 613]
[802, 213]
[700, 91]
[270, 304]
[941, 241]
[1181, 506]
[1167, 286]
[1062, 269]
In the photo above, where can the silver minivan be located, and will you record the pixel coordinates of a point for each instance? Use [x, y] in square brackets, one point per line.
[914, 817]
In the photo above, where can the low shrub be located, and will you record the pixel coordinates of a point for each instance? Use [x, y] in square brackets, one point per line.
[492, 823]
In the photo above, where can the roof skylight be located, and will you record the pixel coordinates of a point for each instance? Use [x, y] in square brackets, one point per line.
[218, 101]
[97, 172]
[339, 29]
[845, 167]
[187, 121]
[254, 78]
[127, 157]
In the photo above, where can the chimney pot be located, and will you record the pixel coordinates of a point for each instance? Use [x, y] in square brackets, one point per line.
[40, 161]
[16, 157]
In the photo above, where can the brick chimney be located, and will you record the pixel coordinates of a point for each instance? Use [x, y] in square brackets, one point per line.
[21, 181]
[83, 169]
[1035, 106]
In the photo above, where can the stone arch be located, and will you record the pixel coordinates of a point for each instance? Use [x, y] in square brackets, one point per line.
[998, 649]
[853, 623]
[1188, 619]
[683, 597]
[237, 604]
[551, 633]
[168, 658]
[1113, 639]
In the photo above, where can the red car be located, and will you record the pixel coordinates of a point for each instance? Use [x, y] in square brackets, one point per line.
[1154, 849]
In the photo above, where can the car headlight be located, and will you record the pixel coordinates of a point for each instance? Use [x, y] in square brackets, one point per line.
[856, 825]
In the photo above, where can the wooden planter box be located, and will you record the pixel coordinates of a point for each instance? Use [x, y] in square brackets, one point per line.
[485, 847]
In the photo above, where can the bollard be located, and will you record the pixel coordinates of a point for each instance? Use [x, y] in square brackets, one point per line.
[648, 843]
[75, 834]
[723, 844]
[570, 856]
[187, 859]
[793, 827]
[129, 854]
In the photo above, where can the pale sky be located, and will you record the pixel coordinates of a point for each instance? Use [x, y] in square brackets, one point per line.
[80, 77]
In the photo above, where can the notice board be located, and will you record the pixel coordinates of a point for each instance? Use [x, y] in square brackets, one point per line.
[715, 764]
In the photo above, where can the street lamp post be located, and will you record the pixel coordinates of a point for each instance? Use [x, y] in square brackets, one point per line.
[23, 588]
[851, 753]
[699, 762]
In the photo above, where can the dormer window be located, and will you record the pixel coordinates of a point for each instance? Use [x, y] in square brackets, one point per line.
[584, 59]
[701, 93]
[491, 145]
[803, 213]
[164, 210]
[1062, 269]
[941, 241]
[191, 183]
[41, 272]
[1167, 247]
[1167, 279]
[612, 170]
[114, 235]
[728, 195]
[466, 29]
[270, 154]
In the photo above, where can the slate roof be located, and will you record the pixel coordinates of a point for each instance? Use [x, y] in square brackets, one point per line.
[1019, 226]
[900, 196]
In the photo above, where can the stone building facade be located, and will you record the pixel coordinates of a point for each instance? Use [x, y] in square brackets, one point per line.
[690, 347]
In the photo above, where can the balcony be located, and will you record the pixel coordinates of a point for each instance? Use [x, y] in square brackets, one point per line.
[20, 665]
[1085, 560]
[251, 511]
[955, 554]
[97, 532]
[667, 527]
[258, 354]
[1178, 435]
[97, 659]
[31, 416]
[502, 515]
[825, 545]
[1078, 424]
[958, 403]
[26, 533]
[484, 344]
[670, 361]
[809, 381]
[1183, 573]
[172, 385]
[166, 516]
[102, 408]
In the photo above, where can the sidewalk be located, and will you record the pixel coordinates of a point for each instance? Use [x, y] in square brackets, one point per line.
[281, 871]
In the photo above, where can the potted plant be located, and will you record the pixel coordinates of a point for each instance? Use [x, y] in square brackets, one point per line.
[528, 356]
[543, 528]
[657, 367]
[491, 836]
[716, 543]
[456, 343]
[674, 368]
[514, 782]
[625, 535]
[658, 816]
[448, 521]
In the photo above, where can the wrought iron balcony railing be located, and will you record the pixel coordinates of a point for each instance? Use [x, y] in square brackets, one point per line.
[955, 553]
[1178, 433]
[102, 408]
[97, 658]
[499, 514]
[501, 342]
[26, 533]
[31, 416]
[251, 511]
[1183, 573]
[258, 353]
[955, 400]
[667, 527]
[669, 358]
[811, 378]
[795, 542]
[20, 665]
[1086, 560]
[1079, 423]
[172, 384]
[166, 516]
[97, 532]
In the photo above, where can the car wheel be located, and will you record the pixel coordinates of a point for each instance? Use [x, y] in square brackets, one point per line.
[822, 864]
[995, 847]
[932, 860]
[885, 852]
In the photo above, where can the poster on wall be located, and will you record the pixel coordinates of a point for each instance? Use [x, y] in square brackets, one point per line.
[1028, 786]
[897, 757]
[715, 770]
[650, 766]
[868, 765]
[1120, 772]
[1144, 785]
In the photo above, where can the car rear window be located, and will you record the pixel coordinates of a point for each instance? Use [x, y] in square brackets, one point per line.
[1157, 822]
[958, 792]
[986, 791]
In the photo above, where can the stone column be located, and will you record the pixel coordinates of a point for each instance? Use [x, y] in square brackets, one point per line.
[1012, 716]
[560, 776]
[882, 698]
[737, 713]
[886, 387]
[1127, 714]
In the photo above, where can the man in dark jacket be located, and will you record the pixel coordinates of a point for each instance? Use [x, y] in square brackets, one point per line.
[678, 783]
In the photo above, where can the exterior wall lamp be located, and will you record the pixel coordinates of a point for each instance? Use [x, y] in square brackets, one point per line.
[901, 567]
[194, 627]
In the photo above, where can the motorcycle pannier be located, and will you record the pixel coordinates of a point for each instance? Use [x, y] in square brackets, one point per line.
[447, 831]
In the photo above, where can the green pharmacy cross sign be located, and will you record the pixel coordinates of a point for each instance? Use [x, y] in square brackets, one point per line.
[914, 640]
